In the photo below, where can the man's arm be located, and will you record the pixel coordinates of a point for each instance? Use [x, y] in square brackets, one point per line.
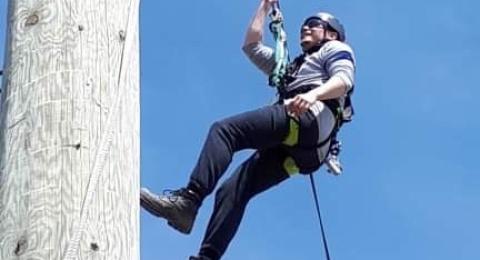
[255, 29]
[335, 87]
[259, 54]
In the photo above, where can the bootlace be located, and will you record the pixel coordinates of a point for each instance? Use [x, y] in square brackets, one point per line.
[173, 195]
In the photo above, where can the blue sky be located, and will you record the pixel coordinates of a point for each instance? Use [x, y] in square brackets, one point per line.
[410, 188]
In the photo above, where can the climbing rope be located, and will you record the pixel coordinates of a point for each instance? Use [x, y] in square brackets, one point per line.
[317, 205]
[1, 75]
[103, 149]
[276, 79]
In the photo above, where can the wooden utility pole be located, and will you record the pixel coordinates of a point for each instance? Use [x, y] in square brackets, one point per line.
[69, 131]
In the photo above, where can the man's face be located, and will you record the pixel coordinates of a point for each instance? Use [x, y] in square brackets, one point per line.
[312, 33]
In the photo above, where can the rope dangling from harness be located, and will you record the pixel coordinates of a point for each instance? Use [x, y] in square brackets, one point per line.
[276, 79]
[1, 75]
[324, 236]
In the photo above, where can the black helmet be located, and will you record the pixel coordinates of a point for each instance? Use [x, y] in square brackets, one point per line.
[332, 22]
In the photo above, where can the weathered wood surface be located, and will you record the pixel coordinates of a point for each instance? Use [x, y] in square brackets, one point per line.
[64, 63]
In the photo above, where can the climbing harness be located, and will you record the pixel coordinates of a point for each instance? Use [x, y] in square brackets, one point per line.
[281, 76]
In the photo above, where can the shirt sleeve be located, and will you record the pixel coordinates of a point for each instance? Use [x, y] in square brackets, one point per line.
[260, 55]
[340, 62]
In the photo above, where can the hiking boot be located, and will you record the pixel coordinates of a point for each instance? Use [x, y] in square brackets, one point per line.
[179, 207]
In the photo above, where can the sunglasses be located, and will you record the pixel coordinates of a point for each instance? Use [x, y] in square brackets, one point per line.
[315, 22]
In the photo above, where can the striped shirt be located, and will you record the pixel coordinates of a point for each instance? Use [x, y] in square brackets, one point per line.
[333, 59]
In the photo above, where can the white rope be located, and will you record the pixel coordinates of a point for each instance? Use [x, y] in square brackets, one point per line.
[107, 135]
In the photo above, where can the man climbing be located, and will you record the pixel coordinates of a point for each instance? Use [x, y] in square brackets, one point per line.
[291, 136]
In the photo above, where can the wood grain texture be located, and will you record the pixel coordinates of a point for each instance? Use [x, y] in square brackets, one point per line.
[63, 65]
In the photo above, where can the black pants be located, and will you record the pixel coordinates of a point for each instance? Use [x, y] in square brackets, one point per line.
[265, 130]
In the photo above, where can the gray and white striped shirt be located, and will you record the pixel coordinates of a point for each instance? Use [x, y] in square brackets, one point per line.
[333, 59]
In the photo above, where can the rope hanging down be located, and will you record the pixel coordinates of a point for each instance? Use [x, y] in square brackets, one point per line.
[1, 75]
[103, 148]
[276, 80]
[317, 205]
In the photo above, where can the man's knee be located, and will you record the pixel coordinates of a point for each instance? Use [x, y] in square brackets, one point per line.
[220, 128]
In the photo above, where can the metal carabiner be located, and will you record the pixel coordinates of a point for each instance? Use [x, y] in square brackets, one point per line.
[276, 15]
